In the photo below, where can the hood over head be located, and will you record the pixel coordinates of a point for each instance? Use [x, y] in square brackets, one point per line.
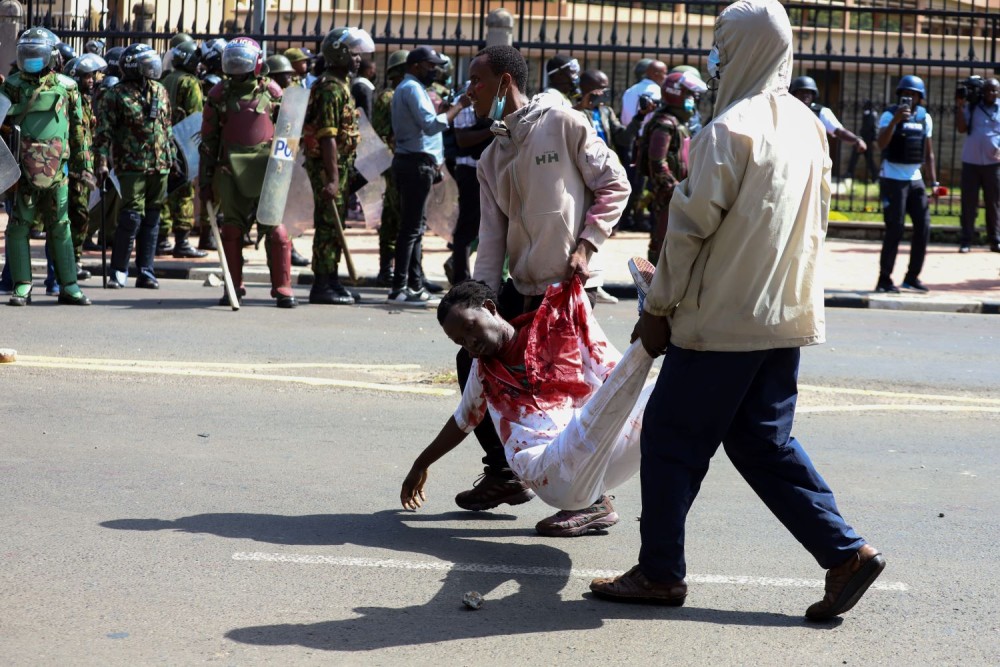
[754, 40]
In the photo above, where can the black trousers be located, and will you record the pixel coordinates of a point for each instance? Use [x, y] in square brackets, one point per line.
[869, 156]
[415, 173]
[467, 227]
[900, 198]
[974, 177]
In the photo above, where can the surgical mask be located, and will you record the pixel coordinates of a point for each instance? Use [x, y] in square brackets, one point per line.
[496, 111]
[427, 78]
[34, 65]
[689, 105]
[714, 66]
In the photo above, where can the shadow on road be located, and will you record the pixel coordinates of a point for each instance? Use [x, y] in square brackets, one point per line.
[535, 607]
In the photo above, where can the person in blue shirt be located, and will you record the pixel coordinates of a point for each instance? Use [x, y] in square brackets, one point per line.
[416, 166]
[980, 163]
[904, 135]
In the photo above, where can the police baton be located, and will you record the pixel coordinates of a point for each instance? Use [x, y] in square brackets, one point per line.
[104, 235]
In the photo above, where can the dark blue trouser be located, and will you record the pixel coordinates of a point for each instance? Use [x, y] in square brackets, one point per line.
[746, 402]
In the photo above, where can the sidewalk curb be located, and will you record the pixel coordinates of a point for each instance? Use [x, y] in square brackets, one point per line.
[941, 303]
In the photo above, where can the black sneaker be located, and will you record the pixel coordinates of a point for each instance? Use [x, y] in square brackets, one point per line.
[492, 490]
[915, 285]
[571, 523]
[886, 287]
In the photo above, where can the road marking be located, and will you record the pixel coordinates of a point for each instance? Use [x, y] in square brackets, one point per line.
[887, 407]
[484, 568]
[899, 394]
[256, 377]
[220, 364]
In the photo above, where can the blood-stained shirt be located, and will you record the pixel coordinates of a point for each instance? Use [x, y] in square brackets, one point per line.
[566, 358]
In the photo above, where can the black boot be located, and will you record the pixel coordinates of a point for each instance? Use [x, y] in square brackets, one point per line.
[298, 259]
[384, 277]
[183, 248]
[206, 241]
[329, 292]
[163, 246]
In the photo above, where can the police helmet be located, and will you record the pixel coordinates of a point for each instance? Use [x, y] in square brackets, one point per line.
[109, 82]
[677, 84]
[397, 60]
[911, 83]
[95, 46]
[444, 71]
[140, 61]
[88, 63]
[114, 57]
[804, 83]
[211, 54]
[341, 43]
[65, 51]
[35, 48]
[242, 56]
[279, 64]
[180, 38]
[185, 56]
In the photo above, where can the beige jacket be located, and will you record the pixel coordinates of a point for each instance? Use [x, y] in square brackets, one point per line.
[740, 269]
[551, 183]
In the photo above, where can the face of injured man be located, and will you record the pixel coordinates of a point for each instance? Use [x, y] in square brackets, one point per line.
[480, 330]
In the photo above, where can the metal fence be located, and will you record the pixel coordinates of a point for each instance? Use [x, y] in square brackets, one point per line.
[856, 50]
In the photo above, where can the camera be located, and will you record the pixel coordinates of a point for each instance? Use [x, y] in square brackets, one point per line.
[906, 100]
[970, 90]
[647, 103]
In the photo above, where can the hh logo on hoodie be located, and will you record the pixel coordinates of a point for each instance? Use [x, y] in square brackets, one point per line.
[547, 157]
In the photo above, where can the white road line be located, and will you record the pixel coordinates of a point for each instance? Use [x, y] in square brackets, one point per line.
[887, 407]
[256, 377]
[153, 363]
[444, 566]
[899, 394]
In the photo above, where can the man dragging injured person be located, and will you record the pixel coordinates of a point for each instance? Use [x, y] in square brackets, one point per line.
[567, 405]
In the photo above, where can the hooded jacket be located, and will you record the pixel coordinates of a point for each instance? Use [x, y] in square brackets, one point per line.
[740, 269]
[548, 185]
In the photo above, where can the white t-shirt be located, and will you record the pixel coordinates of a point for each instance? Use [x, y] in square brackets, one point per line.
[630, 99]
[829, 120]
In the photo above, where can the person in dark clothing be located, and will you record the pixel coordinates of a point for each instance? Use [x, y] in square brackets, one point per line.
[868, 134]
[362, 88]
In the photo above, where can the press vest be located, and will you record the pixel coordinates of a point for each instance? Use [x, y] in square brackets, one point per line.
[907, 143]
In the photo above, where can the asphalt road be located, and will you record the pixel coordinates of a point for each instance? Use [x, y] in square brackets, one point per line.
[182, 484]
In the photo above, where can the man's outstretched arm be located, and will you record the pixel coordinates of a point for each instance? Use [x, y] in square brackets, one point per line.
[412, 495]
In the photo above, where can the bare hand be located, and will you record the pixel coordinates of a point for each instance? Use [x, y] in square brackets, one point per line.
[412, 495]
[578, 266]
[101, 173]
[465, 101]
[654, 331]
[331, 190]
[89, 180]
[861, 146]
[902, 113]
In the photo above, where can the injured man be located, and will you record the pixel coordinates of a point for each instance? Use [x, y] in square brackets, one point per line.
[568, 406]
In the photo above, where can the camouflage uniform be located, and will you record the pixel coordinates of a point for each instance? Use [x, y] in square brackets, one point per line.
[185, 99]
[134, 126]
[79, 190]
[664, 156]
[54, 145]
[331, 113]
[389, 228]
[236, 131]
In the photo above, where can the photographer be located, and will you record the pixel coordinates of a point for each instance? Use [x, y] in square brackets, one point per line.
[977, 114]
[904, 133]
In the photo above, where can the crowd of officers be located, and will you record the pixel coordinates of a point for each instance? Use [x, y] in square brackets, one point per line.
[94, 138]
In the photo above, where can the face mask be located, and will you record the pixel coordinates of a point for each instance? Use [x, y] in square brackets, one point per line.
[496, 111]
[714, 66]
[689, 105]
[427, 78]
[34, 65]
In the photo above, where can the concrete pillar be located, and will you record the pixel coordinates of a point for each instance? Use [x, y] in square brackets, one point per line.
[11, 25]
[499, 28]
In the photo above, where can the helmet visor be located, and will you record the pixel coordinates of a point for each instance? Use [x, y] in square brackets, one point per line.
[33, 56]
[357, 40]
[89, 63]
[150, 65]
[239, 59]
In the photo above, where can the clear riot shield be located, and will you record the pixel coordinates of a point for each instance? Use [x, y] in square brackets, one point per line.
[10, 170]
[300, 207]
[374, 159]
[187, 137]
[284, 149]
[95, 194]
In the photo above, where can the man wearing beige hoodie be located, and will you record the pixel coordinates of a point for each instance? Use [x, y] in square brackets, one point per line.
[736, 293]
[550, 192]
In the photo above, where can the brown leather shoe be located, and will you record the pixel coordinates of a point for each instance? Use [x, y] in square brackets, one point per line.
[846, 583]
[492, 490]
[633, 586]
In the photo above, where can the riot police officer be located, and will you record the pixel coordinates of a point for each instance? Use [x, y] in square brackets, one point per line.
[133, 130]
[236, 132]
[46, 111]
